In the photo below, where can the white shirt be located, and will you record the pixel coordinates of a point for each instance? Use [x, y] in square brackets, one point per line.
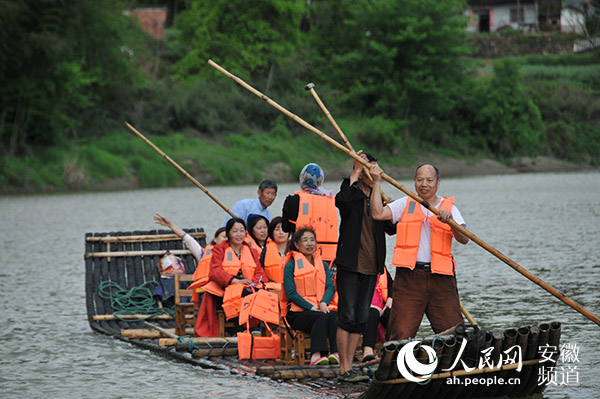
[193, 246]
[424, 251]
[246, 207]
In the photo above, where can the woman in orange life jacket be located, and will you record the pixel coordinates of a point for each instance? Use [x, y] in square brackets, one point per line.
[379, 315]
[307, 291]
[257, 231]
[232, 262]
[271, 258]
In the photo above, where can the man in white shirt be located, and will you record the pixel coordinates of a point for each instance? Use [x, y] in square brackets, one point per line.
[425, 282]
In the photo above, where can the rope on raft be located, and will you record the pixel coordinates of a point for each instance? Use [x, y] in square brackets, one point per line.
[138, 299]
[190, 342]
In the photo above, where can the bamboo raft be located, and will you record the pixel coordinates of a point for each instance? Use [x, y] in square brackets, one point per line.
[129, 260]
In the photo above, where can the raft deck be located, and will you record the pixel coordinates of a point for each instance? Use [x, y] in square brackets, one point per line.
[128, 259]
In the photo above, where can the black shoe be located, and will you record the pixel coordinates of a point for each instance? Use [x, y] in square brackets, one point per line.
[352, 376]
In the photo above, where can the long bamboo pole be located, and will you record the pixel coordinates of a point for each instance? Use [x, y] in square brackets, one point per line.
[460, 373]
[144, 238]
[149, 252]
[535, 279]
[311, 87]
[186, 174]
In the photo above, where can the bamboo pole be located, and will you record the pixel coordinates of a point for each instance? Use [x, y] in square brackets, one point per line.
[163, 331]
[136, 253]
[186, 174]
[200, 340]
[148, 333]
[459, 373]
[467, 314]
[311, 88]
[215, 352]
[143, 238]
[130, 317]
[535, 279]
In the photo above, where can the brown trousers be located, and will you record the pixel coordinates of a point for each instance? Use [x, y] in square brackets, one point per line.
[417, 292]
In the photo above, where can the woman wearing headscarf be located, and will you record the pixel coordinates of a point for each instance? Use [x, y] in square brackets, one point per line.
[313, 206]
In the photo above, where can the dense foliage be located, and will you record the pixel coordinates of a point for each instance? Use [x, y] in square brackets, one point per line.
[398, 75]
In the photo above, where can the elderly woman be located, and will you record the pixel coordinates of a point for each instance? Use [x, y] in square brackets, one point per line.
[233, 266]
[313, 206]
[307, 292]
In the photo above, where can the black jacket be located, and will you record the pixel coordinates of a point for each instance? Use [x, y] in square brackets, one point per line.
[350, 203]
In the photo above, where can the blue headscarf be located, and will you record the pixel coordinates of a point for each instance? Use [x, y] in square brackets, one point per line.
[311, 179]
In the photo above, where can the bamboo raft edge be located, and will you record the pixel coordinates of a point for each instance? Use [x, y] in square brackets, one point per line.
[115, 254]
[141, 237]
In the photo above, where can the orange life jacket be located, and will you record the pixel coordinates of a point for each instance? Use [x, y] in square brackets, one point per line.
[232, 265]
[310, 281]
[382, 285]
[201, 275]
[250, 241]
[408, 237]
[273, 262]
[232, 298]
[333, 305]
[319, 212]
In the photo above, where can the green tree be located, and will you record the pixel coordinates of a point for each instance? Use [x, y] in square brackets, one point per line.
[244, 36]
[504, 120]
[393, 58]
[61, 67]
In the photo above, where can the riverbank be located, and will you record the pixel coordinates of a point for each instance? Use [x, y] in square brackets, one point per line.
[448, 166]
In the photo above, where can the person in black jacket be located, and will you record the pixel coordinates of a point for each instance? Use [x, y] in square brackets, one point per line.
[360, 258]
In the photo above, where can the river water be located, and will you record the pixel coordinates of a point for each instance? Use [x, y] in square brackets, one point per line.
[548, 223]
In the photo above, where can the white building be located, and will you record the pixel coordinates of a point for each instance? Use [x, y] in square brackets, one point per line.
[572, 16]
[494, 15]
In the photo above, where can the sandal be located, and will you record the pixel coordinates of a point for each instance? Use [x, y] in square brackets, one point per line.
[323, 360]
[334, 358]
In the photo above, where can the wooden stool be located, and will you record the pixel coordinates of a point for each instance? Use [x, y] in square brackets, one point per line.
[222, 322]
[293, 348]
[185, 312]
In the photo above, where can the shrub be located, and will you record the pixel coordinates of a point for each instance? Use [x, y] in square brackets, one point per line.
[100, 163]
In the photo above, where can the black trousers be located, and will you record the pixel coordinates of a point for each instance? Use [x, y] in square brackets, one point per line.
[355, 292]
[321, 327]
[370, 336]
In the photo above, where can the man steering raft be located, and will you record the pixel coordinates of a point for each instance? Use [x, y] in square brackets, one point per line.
[425, 282]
